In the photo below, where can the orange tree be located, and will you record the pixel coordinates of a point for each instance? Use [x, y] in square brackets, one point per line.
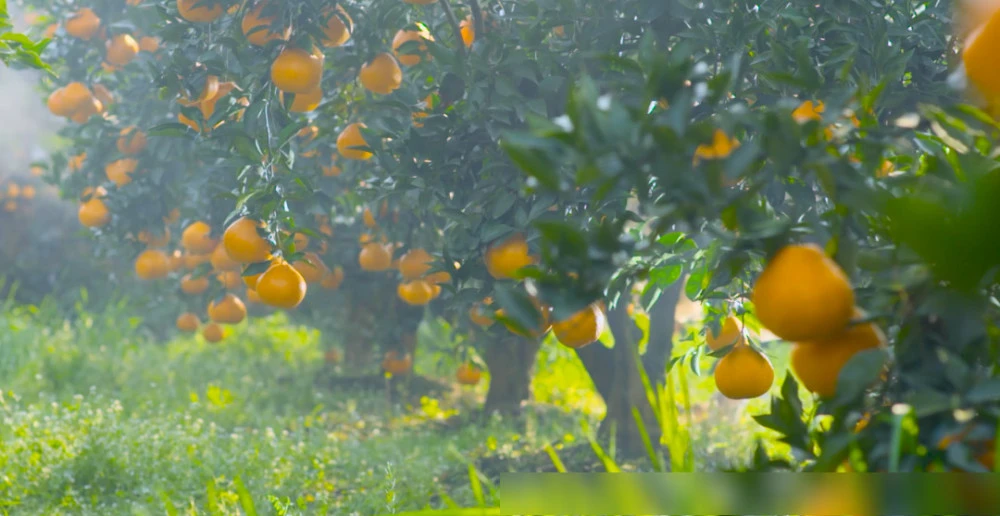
[857, 240]
[193, 120]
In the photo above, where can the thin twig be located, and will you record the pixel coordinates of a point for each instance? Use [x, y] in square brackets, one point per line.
[454, 25]
[477, 18]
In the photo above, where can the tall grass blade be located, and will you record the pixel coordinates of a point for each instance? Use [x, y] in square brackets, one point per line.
[477, 486]
[168, 506]
[212, 498]
[246, 501]
[556, 461]
[609, 464]
[654, 458]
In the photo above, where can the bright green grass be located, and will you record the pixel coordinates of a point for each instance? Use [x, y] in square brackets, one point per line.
[99, 418]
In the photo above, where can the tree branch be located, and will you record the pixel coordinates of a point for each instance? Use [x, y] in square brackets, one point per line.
[477, 18]
[450, 14]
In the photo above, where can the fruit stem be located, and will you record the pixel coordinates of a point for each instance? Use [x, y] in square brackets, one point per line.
[450, 14]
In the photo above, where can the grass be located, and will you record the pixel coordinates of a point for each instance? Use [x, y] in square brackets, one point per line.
[101, 418]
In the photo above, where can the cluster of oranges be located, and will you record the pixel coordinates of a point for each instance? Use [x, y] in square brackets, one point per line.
[801, 296]
[12, 193]
[504, 260]
[279, 284]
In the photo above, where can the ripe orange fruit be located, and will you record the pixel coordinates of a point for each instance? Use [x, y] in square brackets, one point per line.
[121, 50]
[149, 44]
[437, 278]
[87, 110]
[192, 260]
[415, 263]
[83, 24]
[333, 279]
[152, 264]
[505, 258]
[304, 102]
[221, 261]
[375, 257]
[468, 374]
[817, 363]
[188, 322]
[743, 373]
[197, 238]
[229, 310]
[979, 57]
[204, 13]
[311, 268]
[155, 239]
[394, 364]
[194, 286]
[281, 286]
[803, 295]
[253, 296]
[296, 71]
[351, 137]
[244, 244]
[403, 36]
[131, 140]
[212, 332]
[257, 28]
[729, 333]
[336, 32]
[230, 280]
[28, 192]
[416, 293]
[582, 328]
[468, 30]
[76, 96]
[93, 213]
[120, 171]
[381, 75]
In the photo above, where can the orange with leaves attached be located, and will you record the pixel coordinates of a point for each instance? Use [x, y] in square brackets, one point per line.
[817, 363]
[803, 295]
[395, 364]
[415, 293]
[336, 32]
[243, 242]
[131, 140]
[281, 286]
[410, 58]
[199, 11]
[296, 71]
[350, 138]
[582, 328]
[505, 258]
[743, 373]
[257, 28]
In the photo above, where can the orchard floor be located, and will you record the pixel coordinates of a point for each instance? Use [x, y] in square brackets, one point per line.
[98, 418]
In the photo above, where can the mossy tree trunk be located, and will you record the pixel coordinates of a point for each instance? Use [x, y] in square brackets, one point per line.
[616, 372]
[511, 361]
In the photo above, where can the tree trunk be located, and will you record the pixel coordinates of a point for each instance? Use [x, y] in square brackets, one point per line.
[511, 361]
[616, 375]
